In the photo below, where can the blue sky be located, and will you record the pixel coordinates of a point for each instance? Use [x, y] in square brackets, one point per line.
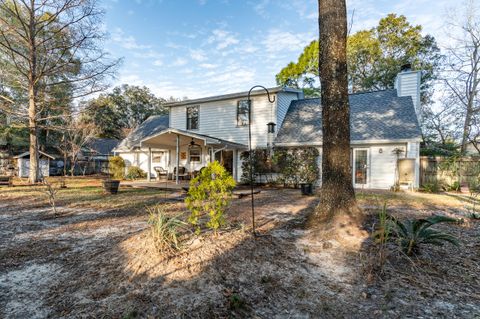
[198, 48]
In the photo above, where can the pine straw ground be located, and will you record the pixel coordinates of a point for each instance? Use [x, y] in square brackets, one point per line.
[97, 260]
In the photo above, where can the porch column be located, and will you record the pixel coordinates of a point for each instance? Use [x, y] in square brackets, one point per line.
[149, 178]
[178, 158]
[234, 164]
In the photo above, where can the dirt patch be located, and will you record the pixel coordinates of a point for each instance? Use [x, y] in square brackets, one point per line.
[102, 263]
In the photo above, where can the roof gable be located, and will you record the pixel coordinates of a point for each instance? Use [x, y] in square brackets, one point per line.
[154, 124]
[380, 115]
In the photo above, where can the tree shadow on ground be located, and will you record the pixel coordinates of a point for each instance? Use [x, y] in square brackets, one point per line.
[229, 275]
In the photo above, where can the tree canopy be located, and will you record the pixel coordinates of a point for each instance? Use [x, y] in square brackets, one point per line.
[118, 112]
[374, 58]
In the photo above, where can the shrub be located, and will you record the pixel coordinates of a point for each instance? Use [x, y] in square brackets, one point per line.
[297, 165]
[165, 229]
[415, 232]
[135, 172]
[433, 187]
[262, 165]
[454, 187]
[116, 167]
[210, 194]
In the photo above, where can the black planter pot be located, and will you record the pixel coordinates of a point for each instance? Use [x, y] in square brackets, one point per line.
[307, 188]
[111, 186]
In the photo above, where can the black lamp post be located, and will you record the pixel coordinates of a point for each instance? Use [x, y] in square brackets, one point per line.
[250, 145]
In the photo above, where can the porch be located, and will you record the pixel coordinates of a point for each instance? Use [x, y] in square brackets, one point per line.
[177, 155]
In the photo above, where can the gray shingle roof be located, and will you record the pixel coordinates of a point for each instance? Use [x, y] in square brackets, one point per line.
[380, 115]
[154, 124]
[102, 146]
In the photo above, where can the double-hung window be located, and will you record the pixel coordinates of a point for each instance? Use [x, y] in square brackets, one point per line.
[195, 154]
[242, 112]
[192, 118]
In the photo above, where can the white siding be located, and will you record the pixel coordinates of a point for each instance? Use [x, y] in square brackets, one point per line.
[383, 165]
[283, 103]
[413, 151]
[381, 172]
[24, 167]
[219, 119]
[140, 158]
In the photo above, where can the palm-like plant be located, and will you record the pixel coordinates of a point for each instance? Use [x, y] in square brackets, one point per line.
[415, 232]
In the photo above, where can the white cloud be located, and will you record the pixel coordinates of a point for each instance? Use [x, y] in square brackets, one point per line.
[284, 41]
[180, 62]
[260, 8]
[208, 66]
[149, 54]
[222, 39]
[127, 42]
[158, 62]
[198, 55]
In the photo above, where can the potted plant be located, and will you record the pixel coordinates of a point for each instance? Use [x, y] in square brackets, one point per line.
[308, 170]
[116, 172]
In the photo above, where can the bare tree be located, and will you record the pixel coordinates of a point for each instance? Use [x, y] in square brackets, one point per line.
[439, 124]
[337, 195]
[46, 45]
[76, 136]
[462, 70]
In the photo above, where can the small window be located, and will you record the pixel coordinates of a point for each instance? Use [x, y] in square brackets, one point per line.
[195, 154]
[192, 118]
[242, 113]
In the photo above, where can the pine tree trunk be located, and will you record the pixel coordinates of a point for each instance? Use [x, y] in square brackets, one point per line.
[33, 176]
[337, 194]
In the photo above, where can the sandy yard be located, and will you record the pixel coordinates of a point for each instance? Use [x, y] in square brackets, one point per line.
[97, 260]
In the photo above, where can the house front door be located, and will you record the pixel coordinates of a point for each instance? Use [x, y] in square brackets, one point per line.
[361, 167]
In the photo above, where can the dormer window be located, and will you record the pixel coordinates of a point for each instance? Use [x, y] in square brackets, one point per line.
[192, 118]
[242, 113]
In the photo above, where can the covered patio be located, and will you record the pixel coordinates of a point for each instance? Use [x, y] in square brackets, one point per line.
[186, 153]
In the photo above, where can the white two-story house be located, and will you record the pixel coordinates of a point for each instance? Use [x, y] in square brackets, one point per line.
[198, 131]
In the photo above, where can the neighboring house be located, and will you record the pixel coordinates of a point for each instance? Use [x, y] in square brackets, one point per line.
[99, 149]
[23, 164]
[198, 131]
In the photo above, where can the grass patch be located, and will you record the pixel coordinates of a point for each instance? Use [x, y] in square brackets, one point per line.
[86, 193]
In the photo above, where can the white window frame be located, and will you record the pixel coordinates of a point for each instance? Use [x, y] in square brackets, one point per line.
[367, 182]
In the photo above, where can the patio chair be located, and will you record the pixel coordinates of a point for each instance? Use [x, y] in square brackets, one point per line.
[160, 172]
[182, 174]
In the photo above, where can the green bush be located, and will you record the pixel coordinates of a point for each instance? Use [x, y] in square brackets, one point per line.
[415, 232]
[210, 194]
[297, 165]
[135, 172]
[165, 229]
[455, 187]
[116, 167]
[433, 187]
[262, 165]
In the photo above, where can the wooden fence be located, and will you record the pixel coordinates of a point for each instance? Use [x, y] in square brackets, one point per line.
[447, 171]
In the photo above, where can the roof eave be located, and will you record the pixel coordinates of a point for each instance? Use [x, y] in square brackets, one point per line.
[232, 96]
